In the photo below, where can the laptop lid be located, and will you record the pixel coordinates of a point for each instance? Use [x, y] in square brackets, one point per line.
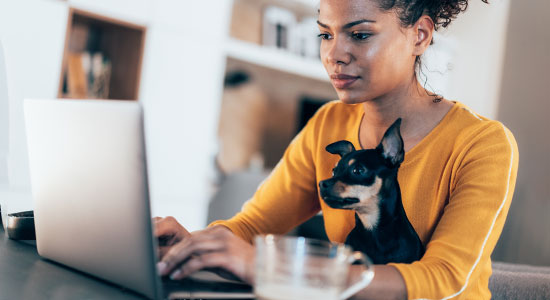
[89, 182]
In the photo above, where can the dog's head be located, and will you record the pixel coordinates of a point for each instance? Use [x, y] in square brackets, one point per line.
[358, 177]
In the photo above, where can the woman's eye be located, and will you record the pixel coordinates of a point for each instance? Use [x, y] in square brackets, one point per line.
[361, 36]
[324, 36]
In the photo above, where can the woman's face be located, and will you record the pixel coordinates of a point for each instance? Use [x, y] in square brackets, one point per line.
[366, 51]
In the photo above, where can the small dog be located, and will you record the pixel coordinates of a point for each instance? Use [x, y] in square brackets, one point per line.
[366, 181]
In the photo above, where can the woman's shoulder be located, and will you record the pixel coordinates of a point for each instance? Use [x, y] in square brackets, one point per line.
[470, 127]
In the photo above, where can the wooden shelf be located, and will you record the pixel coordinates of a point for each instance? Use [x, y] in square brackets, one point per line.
[289, 84]
[122, 43]
[276, 59]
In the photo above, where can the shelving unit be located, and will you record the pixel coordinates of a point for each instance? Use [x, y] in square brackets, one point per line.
[276, 59]
[120, 43]
[287, 79]
[299, 7]
[294, 86]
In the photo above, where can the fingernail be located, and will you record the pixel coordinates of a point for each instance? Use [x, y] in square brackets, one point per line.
[175, 274]
[161, 267]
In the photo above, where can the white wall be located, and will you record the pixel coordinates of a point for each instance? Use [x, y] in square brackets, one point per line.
[525, 109]
[33, 42]
[180, 89]
[134, 11]
[473, 47]
[4, 120]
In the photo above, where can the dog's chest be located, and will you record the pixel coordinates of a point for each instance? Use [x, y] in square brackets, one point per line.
[385, 244]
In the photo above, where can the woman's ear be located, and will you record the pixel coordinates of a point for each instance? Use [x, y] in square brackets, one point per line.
[423, 29]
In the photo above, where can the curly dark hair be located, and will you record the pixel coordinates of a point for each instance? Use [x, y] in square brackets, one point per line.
[442, 12]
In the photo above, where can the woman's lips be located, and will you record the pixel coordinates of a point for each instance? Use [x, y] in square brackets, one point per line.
[343, 81]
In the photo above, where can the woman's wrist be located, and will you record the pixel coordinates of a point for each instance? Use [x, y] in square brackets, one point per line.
[386, 284]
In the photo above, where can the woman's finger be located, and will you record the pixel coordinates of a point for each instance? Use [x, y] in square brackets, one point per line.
[182, 251]
[197, 237]
[169, 226]
[162, 250]
[198, 262]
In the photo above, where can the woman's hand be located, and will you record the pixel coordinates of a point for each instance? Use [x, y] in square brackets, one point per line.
[168, 232]
[214, 247]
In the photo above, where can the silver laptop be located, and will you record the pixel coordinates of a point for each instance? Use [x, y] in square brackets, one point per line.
[91, 202]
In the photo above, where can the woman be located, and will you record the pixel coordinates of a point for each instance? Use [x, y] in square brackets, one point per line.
[457, 179]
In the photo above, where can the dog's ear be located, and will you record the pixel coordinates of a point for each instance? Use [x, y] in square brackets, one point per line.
[391, 146]
[341, 148]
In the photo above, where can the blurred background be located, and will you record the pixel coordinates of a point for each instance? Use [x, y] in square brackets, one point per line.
[227, 84]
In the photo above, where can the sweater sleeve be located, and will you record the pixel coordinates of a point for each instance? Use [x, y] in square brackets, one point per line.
[287, 198]
[480, 195]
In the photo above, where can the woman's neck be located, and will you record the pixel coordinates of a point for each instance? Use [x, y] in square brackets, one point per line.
[419, 114]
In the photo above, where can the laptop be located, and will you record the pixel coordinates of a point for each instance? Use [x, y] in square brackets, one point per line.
[91, 201]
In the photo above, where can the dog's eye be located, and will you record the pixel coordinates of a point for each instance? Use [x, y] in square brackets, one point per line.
[358, 171]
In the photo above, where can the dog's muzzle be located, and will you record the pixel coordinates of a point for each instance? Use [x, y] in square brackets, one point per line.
[331, 198]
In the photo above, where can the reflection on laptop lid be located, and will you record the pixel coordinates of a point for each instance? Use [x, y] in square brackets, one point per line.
[91, 202]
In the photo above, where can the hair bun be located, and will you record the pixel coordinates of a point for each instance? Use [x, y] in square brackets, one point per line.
[442, 12]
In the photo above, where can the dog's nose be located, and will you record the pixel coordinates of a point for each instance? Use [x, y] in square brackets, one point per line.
[323, 184]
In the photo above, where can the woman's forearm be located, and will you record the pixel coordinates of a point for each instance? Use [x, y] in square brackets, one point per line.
[386, 284]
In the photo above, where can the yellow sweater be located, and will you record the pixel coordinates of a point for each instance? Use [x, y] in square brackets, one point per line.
[456, 187]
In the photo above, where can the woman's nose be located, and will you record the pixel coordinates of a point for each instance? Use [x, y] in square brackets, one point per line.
[338, 52]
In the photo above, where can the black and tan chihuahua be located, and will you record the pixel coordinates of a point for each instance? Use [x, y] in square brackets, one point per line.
[366, 181]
